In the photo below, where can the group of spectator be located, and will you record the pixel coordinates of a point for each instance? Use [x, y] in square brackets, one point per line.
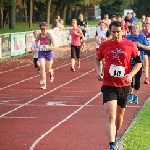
[58, 23]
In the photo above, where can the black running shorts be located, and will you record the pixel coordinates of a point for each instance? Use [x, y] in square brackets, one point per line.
[116, 93]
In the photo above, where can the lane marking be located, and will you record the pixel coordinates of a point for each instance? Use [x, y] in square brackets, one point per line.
[45, 94]
[64, 120]
[14, 69]
[36, 75]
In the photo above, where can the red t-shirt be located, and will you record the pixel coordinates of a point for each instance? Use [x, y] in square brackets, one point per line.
[148, 37]
[118, 56]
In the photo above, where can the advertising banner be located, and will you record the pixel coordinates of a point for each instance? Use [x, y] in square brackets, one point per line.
[28, 40]
[55, 34]
[17, 44]
[5, 46]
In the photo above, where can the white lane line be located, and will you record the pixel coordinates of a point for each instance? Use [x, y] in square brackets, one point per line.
[45, 94]
[27, 79]
[14, 69]
[64, 120]
[37, 75]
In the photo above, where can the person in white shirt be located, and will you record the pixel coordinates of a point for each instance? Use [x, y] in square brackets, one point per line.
[35, 54]
[101, 33]
[101, 36]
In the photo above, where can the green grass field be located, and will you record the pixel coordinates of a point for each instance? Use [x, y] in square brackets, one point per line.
[138, 138]
[24, 27]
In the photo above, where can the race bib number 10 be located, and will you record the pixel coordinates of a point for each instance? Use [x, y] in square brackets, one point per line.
[42, 48]
[117, 71]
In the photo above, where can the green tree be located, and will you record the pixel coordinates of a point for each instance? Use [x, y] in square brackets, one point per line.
[114, 7]
[141, 7]
[1, 14]
[31, 14]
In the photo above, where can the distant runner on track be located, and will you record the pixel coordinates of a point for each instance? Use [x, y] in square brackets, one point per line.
[75, 34]
[45, 53]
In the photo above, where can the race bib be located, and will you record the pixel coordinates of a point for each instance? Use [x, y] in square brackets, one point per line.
[117, 71]
[82, 27]
[148, 39]
[42, 48]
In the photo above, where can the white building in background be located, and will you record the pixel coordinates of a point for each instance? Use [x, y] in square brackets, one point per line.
[126, 11]
[93, 12]
[97, 11]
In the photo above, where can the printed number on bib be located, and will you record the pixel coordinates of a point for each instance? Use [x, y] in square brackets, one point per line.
[117, 71]
[42, 48]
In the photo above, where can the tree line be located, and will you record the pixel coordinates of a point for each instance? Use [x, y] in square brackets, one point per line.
[47, 10]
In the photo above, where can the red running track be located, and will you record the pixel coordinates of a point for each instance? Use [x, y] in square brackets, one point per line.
[68, 115]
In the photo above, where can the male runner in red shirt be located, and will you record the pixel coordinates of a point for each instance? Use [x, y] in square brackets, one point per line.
[117, 76]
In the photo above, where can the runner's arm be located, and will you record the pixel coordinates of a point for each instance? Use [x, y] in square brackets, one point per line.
[138, 65]
[53, 42]
[37, 40]
[98, 65]
[145, 47]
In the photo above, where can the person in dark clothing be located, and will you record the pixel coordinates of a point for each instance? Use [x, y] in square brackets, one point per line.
[82, 24]
[56, 22]
[128, 21]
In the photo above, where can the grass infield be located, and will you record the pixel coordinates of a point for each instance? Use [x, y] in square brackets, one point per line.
[138, 137]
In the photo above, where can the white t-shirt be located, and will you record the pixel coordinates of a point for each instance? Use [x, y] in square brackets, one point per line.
[100, 34]
[35, 55]
[108, 21]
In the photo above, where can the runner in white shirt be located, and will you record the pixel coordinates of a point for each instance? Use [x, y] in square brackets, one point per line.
[35, 54]
[101, 33]
[101, 36]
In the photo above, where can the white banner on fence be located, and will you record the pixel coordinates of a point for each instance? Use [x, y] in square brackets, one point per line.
[17, 44]
[29, 39]
[60, 36]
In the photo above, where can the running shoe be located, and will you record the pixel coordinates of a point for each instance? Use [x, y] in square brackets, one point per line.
[43, 87]
[72, 69]
[78, 65]
[146, 81]
[135, 99]
[51, 79]
[113, 147]
[41, 81]
[116, 141]
[130, 98]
